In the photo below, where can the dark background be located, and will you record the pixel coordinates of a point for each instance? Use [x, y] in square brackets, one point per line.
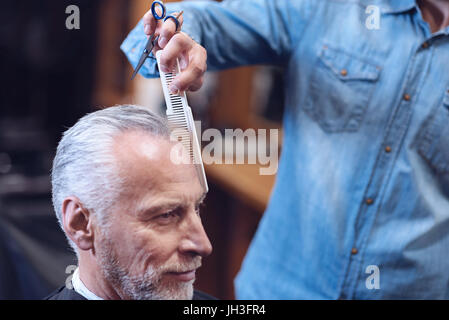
[46, 85]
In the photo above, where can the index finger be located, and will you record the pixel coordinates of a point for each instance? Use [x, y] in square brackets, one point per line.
[149, 21]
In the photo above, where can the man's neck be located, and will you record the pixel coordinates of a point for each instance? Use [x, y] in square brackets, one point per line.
[93, 279]
[435, 13]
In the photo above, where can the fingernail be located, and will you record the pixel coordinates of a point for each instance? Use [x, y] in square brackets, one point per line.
[162, 42]
[146, 29]
[174, 88]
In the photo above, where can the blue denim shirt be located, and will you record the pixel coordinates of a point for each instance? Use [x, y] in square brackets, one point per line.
[364, 173]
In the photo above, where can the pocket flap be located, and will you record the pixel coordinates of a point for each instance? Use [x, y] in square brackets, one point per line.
[348, 67]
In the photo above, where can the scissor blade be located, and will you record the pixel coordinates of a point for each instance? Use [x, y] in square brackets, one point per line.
[148, 48]
[143, 57]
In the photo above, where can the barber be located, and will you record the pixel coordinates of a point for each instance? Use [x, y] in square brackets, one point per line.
[360, 208]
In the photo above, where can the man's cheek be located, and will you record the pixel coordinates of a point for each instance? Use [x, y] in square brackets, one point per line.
[146, 259]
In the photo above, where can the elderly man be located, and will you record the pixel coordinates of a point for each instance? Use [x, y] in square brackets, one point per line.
[129, 212]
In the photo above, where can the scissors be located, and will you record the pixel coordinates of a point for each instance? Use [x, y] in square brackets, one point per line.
[152, 40]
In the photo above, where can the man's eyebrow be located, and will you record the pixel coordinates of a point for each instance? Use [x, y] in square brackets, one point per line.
[168, 206]
[159, 208]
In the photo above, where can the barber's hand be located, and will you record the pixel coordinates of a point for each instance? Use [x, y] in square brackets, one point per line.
[178, 45]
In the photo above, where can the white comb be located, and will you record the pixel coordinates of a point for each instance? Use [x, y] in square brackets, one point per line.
[180, 121]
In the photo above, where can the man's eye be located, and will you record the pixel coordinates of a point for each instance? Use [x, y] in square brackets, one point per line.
[168, 216]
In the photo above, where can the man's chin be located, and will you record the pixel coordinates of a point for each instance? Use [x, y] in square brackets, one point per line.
[172, 289]
[164, 291]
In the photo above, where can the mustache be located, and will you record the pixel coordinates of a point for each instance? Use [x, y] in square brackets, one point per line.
[195, 263]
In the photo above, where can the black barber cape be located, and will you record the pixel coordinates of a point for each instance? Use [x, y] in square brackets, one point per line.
[64, 293]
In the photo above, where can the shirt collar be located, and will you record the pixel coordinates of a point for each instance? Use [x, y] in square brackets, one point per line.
[80, 288]
[398, 6]
[401, 6]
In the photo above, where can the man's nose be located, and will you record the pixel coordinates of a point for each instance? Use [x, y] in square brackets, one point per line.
[196, 240]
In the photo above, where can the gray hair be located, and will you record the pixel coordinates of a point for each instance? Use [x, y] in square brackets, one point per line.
[84, 165]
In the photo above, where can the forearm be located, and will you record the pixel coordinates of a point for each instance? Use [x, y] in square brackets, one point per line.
[234, 33]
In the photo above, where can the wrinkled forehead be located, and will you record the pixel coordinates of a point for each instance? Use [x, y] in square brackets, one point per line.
[152, 163]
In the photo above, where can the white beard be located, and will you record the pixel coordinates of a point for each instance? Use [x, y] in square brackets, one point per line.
[147, 286]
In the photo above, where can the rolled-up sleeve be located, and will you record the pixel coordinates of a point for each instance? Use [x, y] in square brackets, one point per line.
[234, 32]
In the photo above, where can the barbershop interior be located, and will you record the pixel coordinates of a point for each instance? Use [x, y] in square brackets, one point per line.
[51, 77]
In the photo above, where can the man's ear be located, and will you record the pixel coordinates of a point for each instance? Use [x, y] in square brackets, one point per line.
[77, 223]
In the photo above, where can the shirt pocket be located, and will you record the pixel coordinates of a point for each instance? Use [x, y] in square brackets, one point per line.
[340, 89]
[433, 138]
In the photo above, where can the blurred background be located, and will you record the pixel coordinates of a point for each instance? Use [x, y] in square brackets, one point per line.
[50, 77]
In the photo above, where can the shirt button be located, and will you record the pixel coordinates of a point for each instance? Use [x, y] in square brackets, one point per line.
[406, 97]
[369, 201]
[425, 45]
[354, 251]
[344, 72]
[387, 149]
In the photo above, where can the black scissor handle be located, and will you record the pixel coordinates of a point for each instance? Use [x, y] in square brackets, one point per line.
[154, 5]
[175, 20]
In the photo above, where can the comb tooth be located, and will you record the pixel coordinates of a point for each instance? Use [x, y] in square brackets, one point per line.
[179, 121]
[177, 112]
[180, 124]
[176, 117]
